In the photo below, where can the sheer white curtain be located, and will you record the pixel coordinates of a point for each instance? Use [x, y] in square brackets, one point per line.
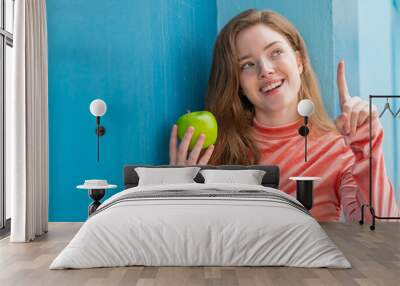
[27, 124]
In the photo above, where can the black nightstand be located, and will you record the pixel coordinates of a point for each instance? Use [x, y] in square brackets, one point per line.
[96, 190]
[304, 190]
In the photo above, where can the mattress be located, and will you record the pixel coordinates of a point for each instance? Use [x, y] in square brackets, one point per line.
[201, 225]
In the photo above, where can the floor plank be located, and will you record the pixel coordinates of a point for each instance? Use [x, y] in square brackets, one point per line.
[374, 255]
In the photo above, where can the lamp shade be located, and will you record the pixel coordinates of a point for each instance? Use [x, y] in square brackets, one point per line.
[305, 107]
[98, 107]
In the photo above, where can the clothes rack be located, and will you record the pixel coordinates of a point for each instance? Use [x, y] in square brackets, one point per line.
[370, 206]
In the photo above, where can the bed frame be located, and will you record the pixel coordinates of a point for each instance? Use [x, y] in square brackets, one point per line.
[270, 179]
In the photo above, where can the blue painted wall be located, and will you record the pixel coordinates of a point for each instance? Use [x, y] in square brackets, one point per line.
[149, 60]
[378, 37]
[346, 45]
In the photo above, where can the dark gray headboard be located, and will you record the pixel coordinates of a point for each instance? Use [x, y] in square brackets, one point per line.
[270, 179]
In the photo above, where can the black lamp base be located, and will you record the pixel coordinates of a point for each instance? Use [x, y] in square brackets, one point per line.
[100, 131]
[304, 193]
[96, 195]
[304, 190]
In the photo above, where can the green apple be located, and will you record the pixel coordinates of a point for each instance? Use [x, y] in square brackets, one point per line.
[203, 122]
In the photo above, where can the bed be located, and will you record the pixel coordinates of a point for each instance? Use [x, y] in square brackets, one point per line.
[201, 224]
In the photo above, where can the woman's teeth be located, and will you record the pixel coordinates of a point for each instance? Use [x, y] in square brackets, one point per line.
[271, 86]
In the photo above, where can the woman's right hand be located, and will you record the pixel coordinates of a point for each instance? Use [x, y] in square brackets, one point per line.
[178, 155]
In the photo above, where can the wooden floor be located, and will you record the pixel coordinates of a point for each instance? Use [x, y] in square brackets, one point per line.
[374, 255]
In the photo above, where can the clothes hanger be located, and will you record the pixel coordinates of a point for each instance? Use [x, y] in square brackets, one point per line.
[397, 113]
[387, 107]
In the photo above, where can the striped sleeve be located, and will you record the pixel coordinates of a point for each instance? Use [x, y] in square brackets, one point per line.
[354, 179]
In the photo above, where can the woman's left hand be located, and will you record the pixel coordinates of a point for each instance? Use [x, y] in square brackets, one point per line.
[355, 111]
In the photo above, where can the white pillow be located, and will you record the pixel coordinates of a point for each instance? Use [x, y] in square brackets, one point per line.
[162, 176]
[249, 177]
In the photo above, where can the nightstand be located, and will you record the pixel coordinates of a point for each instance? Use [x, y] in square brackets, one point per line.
[304, 190]
[96, 190]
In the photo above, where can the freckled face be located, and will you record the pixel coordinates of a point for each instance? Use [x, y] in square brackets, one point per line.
[269, 69]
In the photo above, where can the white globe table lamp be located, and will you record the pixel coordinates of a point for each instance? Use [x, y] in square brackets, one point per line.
[305, 108]
[98, 108]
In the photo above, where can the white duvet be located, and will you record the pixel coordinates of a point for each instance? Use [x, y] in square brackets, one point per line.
[200, 231]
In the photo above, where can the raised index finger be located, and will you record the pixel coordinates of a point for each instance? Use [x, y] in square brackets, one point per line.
[342, 84]
[172, 145]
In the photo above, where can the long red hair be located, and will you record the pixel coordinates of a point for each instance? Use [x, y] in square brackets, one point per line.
[233, 111]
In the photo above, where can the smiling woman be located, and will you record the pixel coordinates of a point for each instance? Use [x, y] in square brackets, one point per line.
[260, 72]
[254, 52]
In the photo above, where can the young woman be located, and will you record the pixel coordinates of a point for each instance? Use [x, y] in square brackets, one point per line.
[260, 71]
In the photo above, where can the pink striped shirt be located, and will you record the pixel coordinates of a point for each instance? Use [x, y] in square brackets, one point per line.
[341, 161]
